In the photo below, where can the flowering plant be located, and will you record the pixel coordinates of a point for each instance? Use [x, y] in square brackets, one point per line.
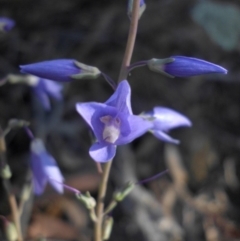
[112, 122]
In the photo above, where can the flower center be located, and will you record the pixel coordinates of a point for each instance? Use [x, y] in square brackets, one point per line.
[111, 129]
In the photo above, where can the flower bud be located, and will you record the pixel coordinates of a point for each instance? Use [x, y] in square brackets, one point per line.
[62, 70]
[88, 201]
[121, 194]
[180, 66]
[107, 227]
[10, 231]
[6, 172]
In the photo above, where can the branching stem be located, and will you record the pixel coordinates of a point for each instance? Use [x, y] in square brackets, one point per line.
[123, 75]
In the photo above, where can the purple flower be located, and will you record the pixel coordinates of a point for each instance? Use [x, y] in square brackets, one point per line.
[44, 88]
[6, 24]
[112, 122]
[180, 66]
[165, 119]
[44, 168]
[62, 70]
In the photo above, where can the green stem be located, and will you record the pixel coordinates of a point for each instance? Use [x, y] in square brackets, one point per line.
[14, 209]
[5, 176]
[123, 74]
[100, 201]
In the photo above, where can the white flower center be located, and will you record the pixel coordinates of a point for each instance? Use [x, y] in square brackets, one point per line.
[111, 129]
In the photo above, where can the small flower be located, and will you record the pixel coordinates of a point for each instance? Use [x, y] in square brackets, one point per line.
[44, 168]
[180, 66]
[112, 122]
[44, 88]
[62, 70]
[6, 24]
[142, 7]
[165, 119]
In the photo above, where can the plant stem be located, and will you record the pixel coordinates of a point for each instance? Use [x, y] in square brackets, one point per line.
[100, 201]
[11, 197]
[123, 74]
[14, 209]
[130, 42]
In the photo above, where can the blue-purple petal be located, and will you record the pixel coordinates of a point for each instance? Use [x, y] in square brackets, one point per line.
[167, 119]
[58, 70]
[186, 67]
[52, 172]
[102, 152]
[138, 126]
[121, 99]
[54, 89]
[38, 175]
[165, 137]
[44, 168]
[88, 109]
[43, 99]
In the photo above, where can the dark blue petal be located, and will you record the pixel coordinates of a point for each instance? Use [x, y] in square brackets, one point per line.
[121, 99]
[57, 70]
[186, 66]
[102, 152]
[43, 99]
[38, 174]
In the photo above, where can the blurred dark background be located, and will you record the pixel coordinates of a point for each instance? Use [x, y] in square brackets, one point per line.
[199, 199]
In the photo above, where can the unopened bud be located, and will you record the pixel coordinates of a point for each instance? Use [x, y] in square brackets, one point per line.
[107, 227]
[121, 194]
[10, 231]
[88, 201]
[181, 66]
[6, 172]
[158, 65]
[61, 70]
[87, 72]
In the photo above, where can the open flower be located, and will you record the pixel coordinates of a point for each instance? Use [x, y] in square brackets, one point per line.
[181, 66]
[44, 88]
[44, 168]
[62, 70]
[165, 119]
[6, 24]
[112, 122]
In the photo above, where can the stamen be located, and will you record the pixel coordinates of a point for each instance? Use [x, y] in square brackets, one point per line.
[111, 129]
[111, 134]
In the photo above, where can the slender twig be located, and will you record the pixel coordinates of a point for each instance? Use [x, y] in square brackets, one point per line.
[123, 74]
[14, 208]
[100, 201]
[11, 197]
[130, 42]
